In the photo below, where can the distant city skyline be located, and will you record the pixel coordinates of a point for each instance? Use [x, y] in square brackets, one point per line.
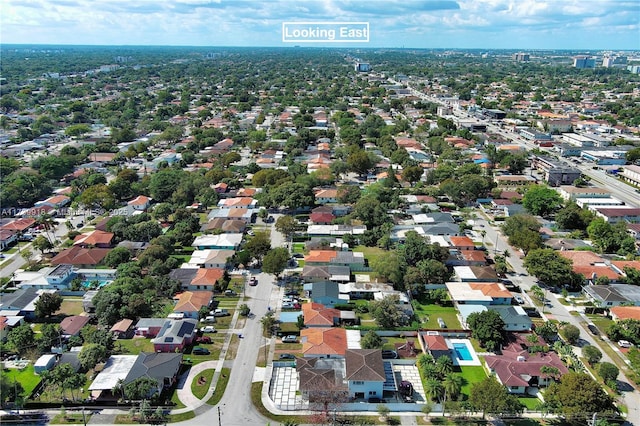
[470, 24]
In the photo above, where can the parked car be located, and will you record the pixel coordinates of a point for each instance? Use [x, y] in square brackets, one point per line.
[287, 356]
[291, 293]
[298, 255]
[229, 293]
[208, 329]
[220, 313]
[200, 351]
[290, 338]
[519, 299]
[593, 329]
[209, 319]
[624, 343]
[388, 354]
[203, 339]
[253, 281]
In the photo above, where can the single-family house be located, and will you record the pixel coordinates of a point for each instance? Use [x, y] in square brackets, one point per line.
[333, 273]
[190, 302]
[318, 315]
[7, 238]
[435, 344]
[519, 370]
[163, 368]
[55, 201]
[19, 303]
[326, 196]
[149, 327]
[80, 257]
[175, 335]
[468, 293]
[122, 329]
[365, 373]
[324, 342]
[619, 313]
[94, 238]
[590, 265]
[140, 203]
[205, 279]
[613, 294]
[326, 293]
[72, 325]
[218, 242]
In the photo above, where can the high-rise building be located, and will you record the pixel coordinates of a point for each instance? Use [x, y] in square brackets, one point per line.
[583, 62]
[521, 57]
[362, 67]
[611, 61]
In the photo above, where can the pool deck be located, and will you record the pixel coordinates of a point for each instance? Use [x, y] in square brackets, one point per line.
[460, 362]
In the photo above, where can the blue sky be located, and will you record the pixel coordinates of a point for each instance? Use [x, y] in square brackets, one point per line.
[510, 24]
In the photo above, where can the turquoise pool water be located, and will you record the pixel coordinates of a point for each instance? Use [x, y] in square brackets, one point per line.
[101, 283]
[462, 352]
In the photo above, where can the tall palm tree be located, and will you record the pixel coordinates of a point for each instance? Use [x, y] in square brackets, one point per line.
[47, 223]
[444, 365]
[434, 389]
[452, 385]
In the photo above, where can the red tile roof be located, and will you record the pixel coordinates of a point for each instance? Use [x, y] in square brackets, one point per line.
[324, 341]
[316, 314]
[77, 255]
[19, 224]
[320, 256]
[207, 276]
[626, 312]
[94, 238]
[73, 324]
[435, 343]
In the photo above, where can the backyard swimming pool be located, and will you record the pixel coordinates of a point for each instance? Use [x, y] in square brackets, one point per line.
[462, 352]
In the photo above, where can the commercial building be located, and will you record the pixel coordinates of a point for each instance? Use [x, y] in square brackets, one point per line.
[584, 62]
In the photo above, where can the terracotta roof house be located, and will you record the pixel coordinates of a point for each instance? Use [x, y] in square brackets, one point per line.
[462, 243]
[18, 225]
[324, 342]
[464, 293]
[590, 265]
[55, 201]
[205, 279]
[435, 344]
[365, 373]
[72, 325]
[237, 203]
[620, 265]
[519, 370]
[175, 335]
[80, 257]
[140, 203]
[325, 196]
[246, 192]
[318, 315]
[190, 302]
[95, 238]
[337, 273]
[619, 313]
[7, 237]
[321, 218]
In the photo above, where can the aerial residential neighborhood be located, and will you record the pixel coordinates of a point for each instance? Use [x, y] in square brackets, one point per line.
[399, 233]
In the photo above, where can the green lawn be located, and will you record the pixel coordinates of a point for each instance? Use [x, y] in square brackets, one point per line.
[70, 307]
[429, 315]
[221, 385]
[471, 375]
[298, 248]
[530, 402]
[133, 346]
[26, 377]
[372, 254]
[200, 390]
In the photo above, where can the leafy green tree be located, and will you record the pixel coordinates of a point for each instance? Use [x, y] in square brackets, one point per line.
[487, 327]
[21, 339]
[43, 244]
[571, 216]
[541, 200]
[570, 333]
[47, 304]
[370, 211]
[627, 329]
[577, 397]
[412, 174]
[592, 354]
[609, 372]
[91, 354]
[117, 256]
[259, 245]
[488, 396]
[548, 266]
[275, 261]
[164, 183]
[360, 162]
[371, 340]
[287, 225]
[141, 388]
[387, 313]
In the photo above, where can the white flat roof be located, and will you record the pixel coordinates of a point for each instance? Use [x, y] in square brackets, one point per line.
[116, 368]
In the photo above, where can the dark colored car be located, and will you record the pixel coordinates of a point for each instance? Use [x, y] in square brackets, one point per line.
[593, 329]
[287, 356]
[292, 293]
[200, 351]
[388, 354]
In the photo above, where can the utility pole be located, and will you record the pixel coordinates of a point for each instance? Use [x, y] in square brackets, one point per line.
[219, 418]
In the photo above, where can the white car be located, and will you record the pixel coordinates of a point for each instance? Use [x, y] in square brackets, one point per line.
[208, 329]
[624, 343]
